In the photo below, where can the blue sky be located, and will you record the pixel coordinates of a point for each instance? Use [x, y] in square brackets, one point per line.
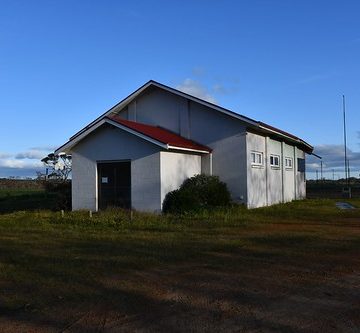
[287, 63]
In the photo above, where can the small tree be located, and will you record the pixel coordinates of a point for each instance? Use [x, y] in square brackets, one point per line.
[197, 193]
[58, 166]
[56, 180]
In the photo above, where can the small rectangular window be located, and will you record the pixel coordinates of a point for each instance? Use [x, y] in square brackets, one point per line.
[275, 161]
[256, 158]
[288, 163]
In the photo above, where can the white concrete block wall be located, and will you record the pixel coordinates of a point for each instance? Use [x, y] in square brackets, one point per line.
[175, 168]
[225, 135]
[256, 174]
[84, 182]
[274, 178]
[206, 164]
[220, 132]
[229, 164]
[158, 107]
[289, 178]
[111, 144]
[300, 177]
[145, 183]
[227, 138]
[269, 185]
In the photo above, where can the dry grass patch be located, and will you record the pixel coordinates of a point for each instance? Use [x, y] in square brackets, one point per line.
[293, 267]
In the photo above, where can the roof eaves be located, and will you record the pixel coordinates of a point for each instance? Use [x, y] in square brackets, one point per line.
[73, 141]
[289, 137]
[124, 101]
[190, 149]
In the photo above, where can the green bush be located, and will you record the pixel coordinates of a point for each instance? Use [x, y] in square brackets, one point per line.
[197, 193]
[62, 192]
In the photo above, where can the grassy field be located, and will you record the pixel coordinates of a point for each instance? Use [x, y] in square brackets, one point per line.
[25, 199]
[286, 268]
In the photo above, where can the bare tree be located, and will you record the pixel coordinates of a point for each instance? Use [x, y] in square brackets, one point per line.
[58, 166]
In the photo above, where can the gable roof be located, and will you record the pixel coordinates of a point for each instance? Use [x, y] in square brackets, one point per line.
[154, 134]
[251, 123]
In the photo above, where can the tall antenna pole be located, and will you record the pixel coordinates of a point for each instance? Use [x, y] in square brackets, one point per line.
[345, 156]
[321, 170]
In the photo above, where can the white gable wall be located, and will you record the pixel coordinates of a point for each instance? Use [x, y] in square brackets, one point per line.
[227, 138]
[222, 133]
[110, 144]
[175, 168]
[158, 108]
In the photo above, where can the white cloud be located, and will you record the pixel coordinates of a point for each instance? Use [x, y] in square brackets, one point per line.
[220, 89]
[45, 148]
[24, 163]
[333, 158]
[195, 88]
[19, 164]
[32, 154]
[198, 71]
[4, 155]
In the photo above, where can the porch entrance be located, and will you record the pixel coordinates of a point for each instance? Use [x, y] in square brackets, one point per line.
[114, 184]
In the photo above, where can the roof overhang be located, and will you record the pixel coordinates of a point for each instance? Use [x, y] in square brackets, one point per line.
[287, 136]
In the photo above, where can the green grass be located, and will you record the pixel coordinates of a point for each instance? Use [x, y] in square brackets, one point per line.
[25, 199]
[45, 257]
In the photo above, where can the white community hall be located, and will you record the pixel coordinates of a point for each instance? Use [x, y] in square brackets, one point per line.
[154, 139]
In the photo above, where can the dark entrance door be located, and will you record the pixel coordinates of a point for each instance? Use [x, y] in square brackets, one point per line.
[114, 184]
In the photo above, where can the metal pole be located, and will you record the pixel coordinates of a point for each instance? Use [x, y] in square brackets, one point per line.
[345, 154]
[321, 170]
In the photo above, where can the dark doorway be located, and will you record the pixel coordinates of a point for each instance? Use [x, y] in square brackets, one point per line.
[114, 184]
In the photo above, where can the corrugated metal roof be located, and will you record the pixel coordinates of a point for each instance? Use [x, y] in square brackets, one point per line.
[160, 134]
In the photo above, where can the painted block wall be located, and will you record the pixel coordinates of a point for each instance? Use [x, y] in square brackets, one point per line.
[270, 185]
[227, 137]
[274, 179]
[222, 133]
[110, 144]
[84, 182]
[231, 147]
[300, 177]
[289, 173]
[158, 107]
[256, 175]
[175, 168]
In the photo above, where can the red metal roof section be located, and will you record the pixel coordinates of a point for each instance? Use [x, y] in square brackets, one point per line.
[160, 134]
